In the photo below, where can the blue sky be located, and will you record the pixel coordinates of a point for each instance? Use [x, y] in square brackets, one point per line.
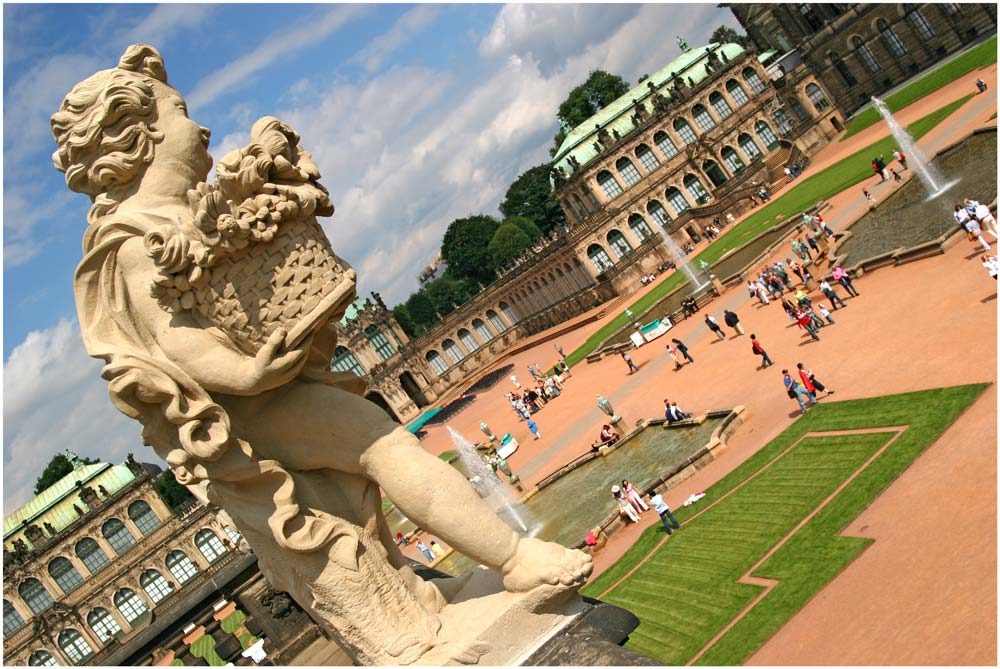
[416, 115]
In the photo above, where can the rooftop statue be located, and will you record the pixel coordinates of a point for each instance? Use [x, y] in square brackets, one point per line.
[213, 308]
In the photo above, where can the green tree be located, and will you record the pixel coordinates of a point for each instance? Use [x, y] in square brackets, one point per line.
[530, 196]
[597, 92]
[449, 292]
[172, 492]
[465, 248]
[509, 242]
[421, 310]
[403, 318]
[526, 225]
[58, 467]
[727, 35]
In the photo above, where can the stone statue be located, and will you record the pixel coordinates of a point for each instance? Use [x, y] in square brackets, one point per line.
[212, 307]
[682, 43]
[604, 405]
[486, 430]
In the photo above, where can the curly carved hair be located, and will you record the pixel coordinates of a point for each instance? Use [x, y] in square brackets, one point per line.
[104, 128]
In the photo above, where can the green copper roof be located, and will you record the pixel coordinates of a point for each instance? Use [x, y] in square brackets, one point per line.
[352, 310]
[55, 504]
[618, 115]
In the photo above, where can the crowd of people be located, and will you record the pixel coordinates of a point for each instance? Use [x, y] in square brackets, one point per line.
[631, 505]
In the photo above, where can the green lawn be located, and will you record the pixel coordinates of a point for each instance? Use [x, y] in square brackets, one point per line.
[687, 591]
[979, 56]
[853, 169]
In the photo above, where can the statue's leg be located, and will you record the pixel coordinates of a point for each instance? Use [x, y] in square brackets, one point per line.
[314, 426]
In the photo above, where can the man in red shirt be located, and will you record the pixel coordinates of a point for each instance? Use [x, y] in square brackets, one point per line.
[759, 350]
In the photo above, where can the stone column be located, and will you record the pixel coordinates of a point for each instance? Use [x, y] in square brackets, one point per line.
[156, 503]
[131, 527]
[91, 638]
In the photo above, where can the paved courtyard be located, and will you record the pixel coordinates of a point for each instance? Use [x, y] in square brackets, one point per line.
[925, 591]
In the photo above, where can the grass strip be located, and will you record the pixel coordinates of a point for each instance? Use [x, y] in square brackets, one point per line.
[852, 170]
[978, 56]
[687, 591]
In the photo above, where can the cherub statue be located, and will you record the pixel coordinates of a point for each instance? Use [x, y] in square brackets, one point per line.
[212, 307]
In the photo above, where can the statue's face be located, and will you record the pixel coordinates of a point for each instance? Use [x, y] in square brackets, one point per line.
[183, 140]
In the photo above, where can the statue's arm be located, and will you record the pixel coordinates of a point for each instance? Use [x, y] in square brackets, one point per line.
[207, 356]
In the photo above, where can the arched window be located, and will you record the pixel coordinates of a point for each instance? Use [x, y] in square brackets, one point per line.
[155, 585]
[344, 361]
[210, 545]
[639, 227]
[815, 95]
[753, 81]
[35, 595]
[75, 646]
[920, 24]
[41, 658]
[618, 242]
[468, 341]
[749, 147]
[103, 624]
[495, 321]
[436, 362]
[609, 185]
[890, 38]
[842, 69]
[665, 145]
[658, 213]
[696, 188]
[702, 117]
[781, 121]
[737, 93]
[800, 112]
[118, 535]
[65, 575]
[12, 620]
[677, 201]
[714, 173]
[599, 257]
[732, 159]
[92, 555]
[865, 54]
[130, 604]
[181, 567]
[646, 156]
[765, 135]
[508, 313]
[684, 131]
[628, 171]
[480, 327]
[452, 350]
[379, 342]
[720, 105]
[143, 516]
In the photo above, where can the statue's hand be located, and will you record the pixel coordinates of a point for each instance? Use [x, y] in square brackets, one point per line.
[269, 369]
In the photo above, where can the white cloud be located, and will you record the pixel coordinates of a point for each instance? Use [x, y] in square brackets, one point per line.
[161, 24]
[405, 27]
[274, 46]
[25, 207]
[54, 399]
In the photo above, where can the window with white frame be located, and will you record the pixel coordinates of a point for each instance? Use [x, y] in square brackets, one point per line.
[468, 341]
[753, 81]
[508, 312]
[65, 574]
[344, 361]
[181, 566]
[480, 327]
[92, 555]
[677, 201]
[103, 624]
[665, 145]
[684, 131]
[609, 185]
[452, 351]
[210, 545]
[143, 516]
[12, 620]
[702, 117]
[737, 93]
[695, 188]
[599, 257]
[379, 342]
[155, 585]
[75, 646]
[748, 146]
[618, 242]
[646, 156]
[233, 535]
[639, 226]
[495, 320]
[628, 171]
[117, 535]
[766, 135]
[658, 213]
[41, 658]
[130, 604]
[720, 105]
[816, 97]
[865, 55]
[437, 363]
[35, 595]
[732, 159]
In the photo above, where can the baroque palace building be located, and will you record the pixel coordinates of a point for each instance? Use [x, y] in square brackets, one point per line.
[98, 570]
[686, 146]
[860, 50]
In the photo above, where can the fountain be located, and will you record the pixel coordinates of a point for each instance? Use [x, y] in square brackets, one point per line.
[493, 489]
[932, 181]
[680, 259]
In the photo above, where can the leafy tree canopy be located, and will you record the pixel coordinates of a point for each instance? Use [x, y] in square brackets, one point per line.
[465, 248]
[402, 315]
[58, 467]
[727, 35]
[172, 492]
[530, 196]
[526, 225]
[509, 242]
[421, 310]
[449, 292]
[597, 92]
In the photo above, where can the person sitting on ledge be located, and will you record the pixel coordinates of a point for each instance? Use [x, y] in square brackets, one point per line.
[673, 412]
[608, 435]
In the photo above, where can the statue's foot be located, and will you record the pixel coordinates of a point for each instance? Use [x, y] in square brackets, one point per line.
[537, 562]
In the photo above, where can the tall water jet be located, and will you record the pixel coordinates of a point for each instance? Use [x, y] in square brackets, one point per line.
[496, 491]
[680, 259]
[932, 181]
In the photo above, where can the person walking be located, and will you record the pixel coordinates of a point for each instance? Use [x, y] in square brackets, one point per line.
[807, 324]
[841, 276]
[679, 345]
[534, 374]
[559, 350]
[802, 298]
[810, 381]
[871, 199]
[796, 391]
[422, 547]
[623, 504]
[976, 232]
[986, 219]
[534, 429]
[632, 367]
[825, 313]
[513, 379]
[831, 294]
[733, 321]
[633, 496]
[824, 226]
[900, 158]
[436, 549]
[713, 325]
[661, 508]
[758, 349]
[991, 264]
